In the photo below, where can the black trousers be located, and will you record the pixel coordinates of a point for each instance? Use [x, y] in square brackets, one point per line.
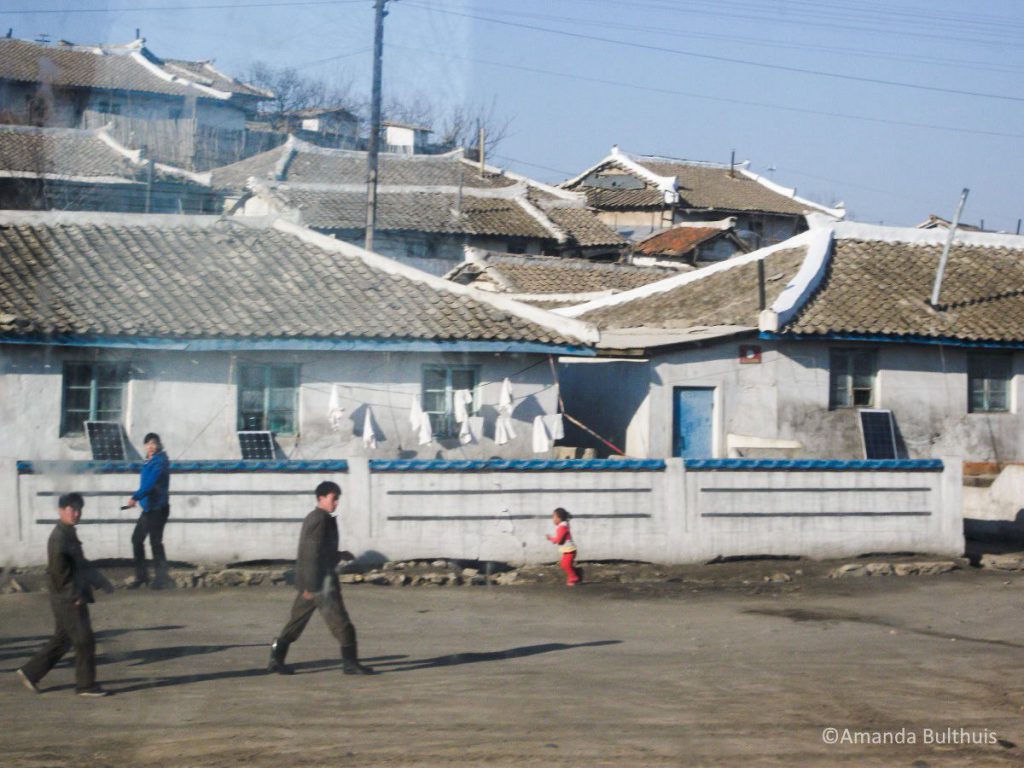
[332, 608]
[150, 524]
[73, 629]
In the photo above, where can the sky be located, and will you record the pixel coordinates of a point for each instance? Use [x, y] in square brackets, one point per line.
[889, 107]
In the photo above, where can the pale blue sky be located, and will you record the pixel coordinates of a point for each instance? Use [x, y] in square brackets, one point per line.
[692, 79]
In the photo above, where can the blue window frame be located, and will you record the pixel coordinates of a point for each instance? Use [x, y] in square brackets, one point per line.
[440, 382]
[92, 392]
[267, 396]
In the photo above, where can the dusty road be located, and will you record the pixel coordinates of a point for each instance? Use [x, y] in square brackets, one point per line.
[540, 675]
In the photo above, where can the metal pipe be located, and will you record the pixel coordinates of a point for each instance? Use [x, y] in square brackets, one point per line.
[945, 251]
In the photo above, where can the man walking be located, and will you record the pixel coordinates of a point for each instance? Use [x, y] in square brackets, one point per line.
[153, 494]
[317, 582]
[71, 578]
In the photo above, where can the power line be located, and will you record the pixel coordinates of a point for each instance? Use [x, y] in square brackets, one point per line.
[179, 8]
[723, 99]
[724, 59]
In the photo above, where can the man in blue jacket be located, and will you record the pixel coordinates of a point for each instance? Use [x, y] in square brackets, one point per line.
[153, 495]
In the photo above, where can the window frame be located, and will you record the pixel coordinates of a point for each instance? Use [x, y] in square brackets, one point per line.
[121, 376]
[443, 423]
[977, 359]
[849, 370]
[267, 411]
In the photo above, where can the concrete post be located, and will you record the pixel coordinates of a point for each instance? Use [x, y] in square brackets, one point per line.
[10, 514]
[951, 506]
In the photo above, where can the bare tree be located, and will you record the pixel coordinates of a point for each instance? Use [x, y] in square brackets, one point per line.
[294, 91]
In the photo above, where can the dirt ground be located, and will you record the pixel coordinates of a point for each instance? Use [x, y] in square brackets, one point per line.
[610, 674]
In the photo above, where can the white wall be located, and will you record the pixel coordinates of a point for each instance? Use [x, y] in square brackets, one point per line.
[786, 396]
[191, 401]
[672, 515]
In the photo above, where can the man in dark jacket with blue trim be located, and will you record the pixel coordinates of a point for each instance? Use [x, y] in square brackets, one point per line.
[316, 579]
[153, 495]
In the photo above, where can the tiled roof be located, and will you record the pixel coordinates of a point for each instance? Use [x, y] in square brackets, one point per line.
[204, 277]
[583, 226]
[62, 152]
[556, 275]
[705, 186]
[877, 287]
[414, 212]
[720, 295]
[613, 199]
[309, 164]
[106, 68]
[677, 241]
[204, 72]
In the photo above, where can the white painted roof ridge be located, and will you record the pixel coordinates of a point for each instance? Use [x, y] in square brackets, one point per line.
[541, 218]
[513, 192]
[565, 195]
[106, 218]
[133, 155]
[624, 160]
[854, 230]
[676, 281]
[301, 145]
[741, 165]
[805, 282]
[288, 150]
[838, 212]
[585, 332]
[204, 179]
[50, 130]
[208, 64]
[63, 177]
[140, 57]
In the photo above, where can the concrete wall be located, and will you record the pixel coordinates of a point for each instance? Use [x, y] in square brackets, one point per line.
[663, 513]
[786, 397]
[191, 400]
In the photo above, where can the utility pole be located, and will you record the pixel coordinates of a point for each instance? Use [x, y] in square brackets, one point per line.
[374, 146]
[937, 287]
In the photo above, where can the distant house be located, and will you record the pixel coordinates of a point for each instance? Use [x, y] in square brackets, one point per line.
[937, 222]
[328, 126]
[185, 113]
[642, 194]
[550, 281]
[201, 327]
[405, 139]
[80, 170]
[693, 243]
[429, 206]
[778, 352]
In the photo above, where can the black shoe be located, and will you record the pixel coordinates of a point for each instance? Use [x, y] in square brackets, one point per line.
[137, 584]
[276, 665]
[353, 667]
[26, 682]
[93, 693]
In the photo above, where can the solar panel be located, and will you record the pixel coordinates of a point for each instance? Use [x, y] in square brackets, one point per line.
[106, 439]
[879, 433]
[257, 445]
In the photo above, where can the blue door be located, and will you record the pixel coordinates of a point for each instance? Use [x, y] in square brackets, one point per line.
[691, 433]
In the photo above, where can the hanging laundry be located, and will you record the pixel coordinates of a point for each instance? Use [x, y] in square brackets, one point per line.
[415, 413]
[555, 426]
[335, 413]
[505, 399]
[503, 431]
[369, 433]
[424, 431]
[541, 438]
[461, 399]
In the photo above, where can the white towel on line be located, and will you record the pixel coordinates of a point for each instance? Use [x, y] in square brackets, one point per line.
[335, 413]
[555, 426]
[505, 399]
[415, 413]
[461, 399]
[369, 433]
[541, 438]
[503, 429]
[424, 431]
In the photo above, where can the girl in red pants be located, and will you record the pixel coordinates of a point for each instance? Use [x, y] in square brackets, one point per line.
[563, 538]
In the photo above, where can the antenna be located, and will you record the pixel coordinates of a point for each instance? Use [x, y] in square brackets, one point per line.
[945, 251]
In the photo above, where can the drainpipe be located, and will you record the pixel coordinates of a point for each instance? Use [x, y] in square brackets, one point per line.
[762, 302]
[945, 251]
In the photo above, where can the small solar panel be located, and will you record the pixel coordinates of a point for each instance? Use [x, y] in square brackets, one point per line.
[879, 434]
[257, 445]
[106, 440]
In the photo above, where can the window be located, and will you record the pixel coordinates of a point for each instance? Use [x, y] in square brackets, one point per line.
[92, 392]
[988, 382]
[266, 398]
[440, 383]
[852, 378]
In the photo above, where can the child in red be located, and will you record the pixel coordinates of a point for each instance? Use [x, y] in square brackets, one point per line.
[563, 538]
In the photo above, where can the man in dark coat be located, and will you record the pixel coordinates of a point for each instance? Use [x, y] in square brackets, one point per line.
[71, 579]
[153, 495]
[316, 579]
